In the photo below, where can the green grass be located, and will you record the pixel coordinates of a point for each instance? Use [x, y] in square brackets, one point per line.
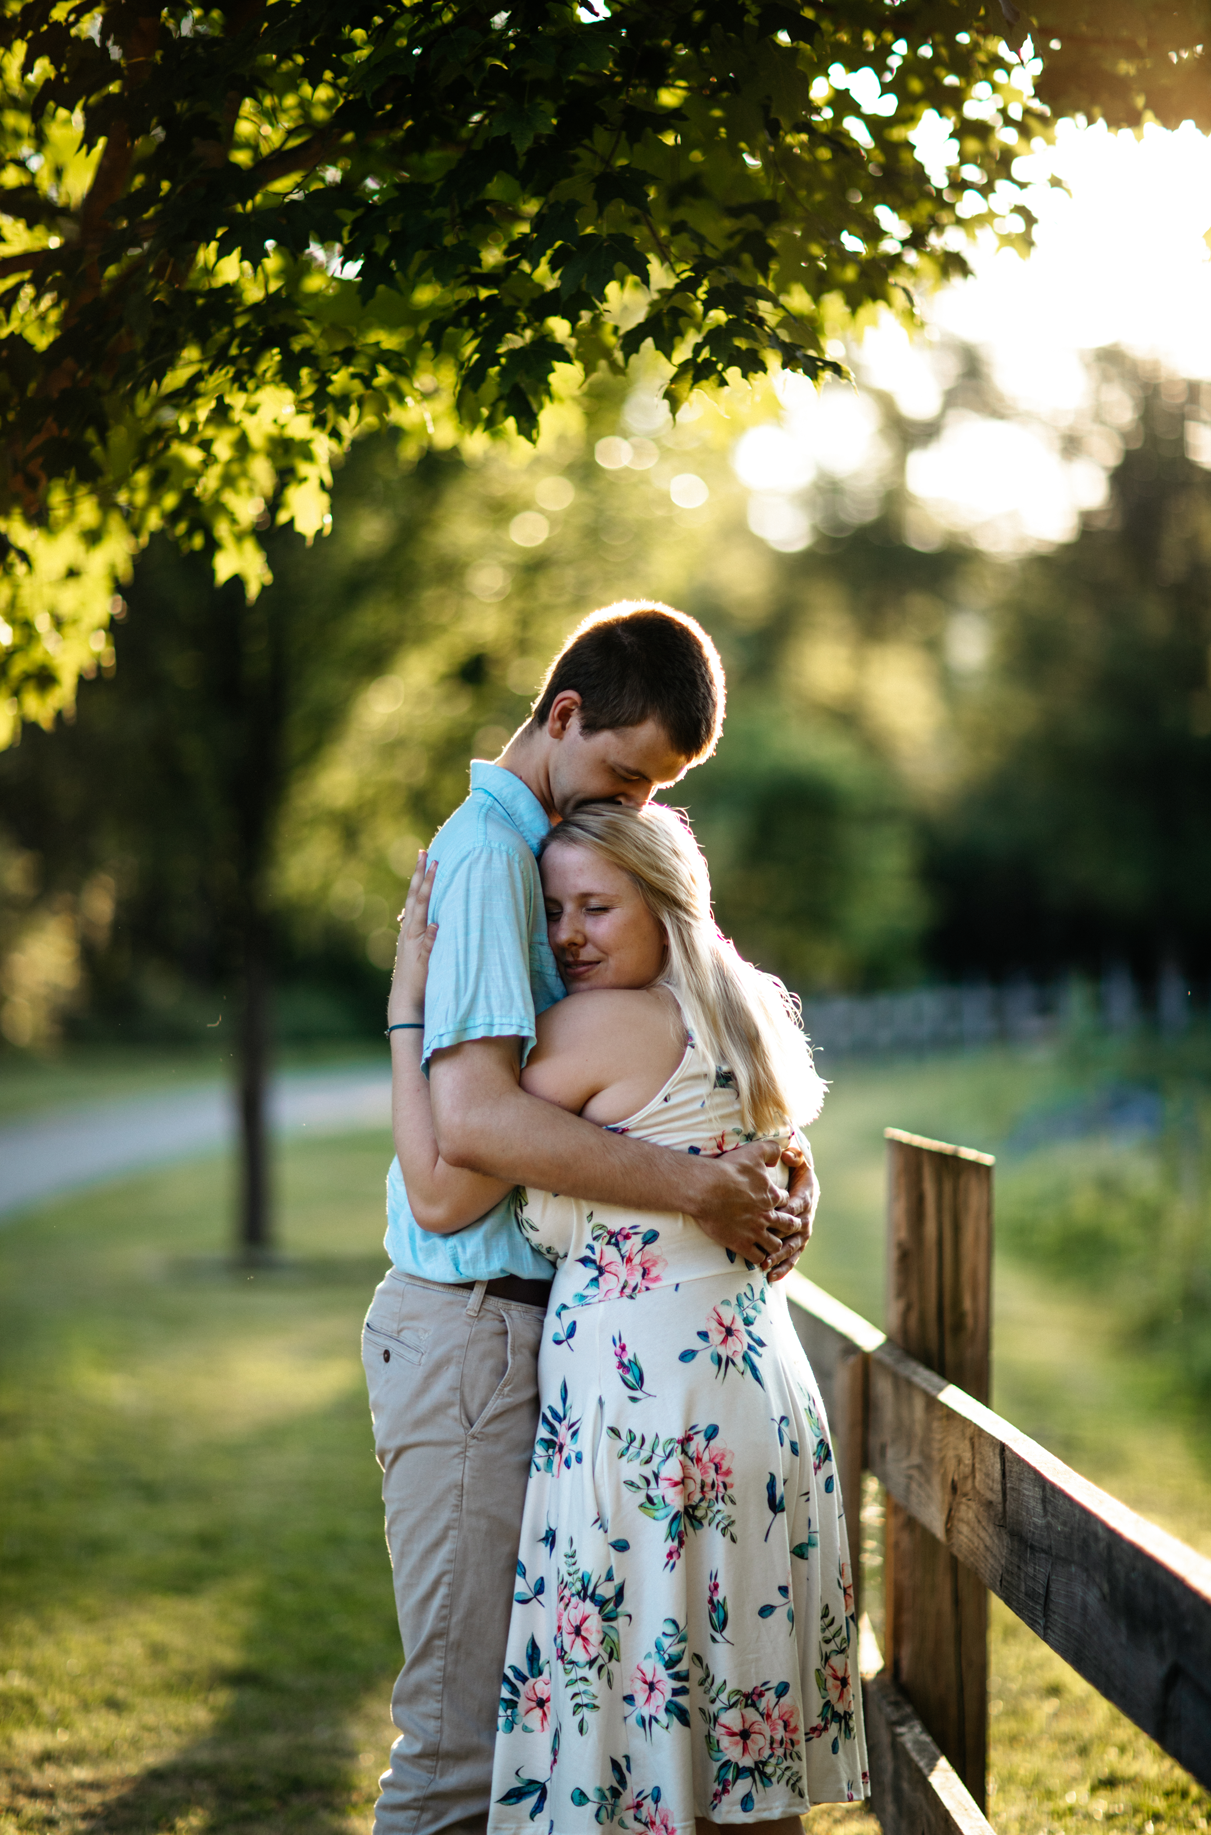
[198, 1632]
[196, 1600]
[1072, 1370]
[32, 1083]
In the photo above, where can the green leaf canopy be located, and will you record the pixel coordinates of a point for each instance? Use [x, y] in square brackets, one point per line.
[235, 236]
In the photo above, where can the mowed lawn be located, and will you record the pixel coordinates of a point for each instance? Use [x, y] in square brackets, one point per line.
[197, 1629]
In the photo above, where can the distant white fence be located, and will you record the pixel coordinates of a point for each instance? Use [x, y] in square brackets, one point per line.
[1020, 1011]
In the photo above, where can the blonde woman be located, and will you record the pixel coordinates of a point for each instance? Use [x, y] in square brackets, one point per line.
[683, 1650]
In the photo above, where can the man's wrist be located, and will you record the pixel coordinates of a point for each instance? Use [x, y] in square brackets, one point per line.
[703, 1187]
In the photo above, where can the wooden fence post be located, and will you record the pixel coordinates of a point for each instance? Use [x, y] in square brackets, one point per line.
[939, 1247]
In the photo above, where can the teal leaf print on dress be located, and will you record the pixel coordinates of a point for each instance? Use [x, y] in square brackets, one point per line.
[534, 1596]
[525, 1694]
[686, 1483]
[752, 1738]
[729, 1339]
[775, 1501]
[622, 1263]
[783, 1603]
[716, 1610]
[556, 1448]
[529, 1228]
[659, 1684]
[537, 1788]
[834, 1681]
[588, 1612]
[785, 1438]
[802, 1551]
[607, 1797]
[822, 1452]
[630, 1370]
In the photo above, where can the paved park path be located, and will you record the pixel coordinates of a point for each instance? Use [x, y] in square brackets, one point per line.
[64, 1150]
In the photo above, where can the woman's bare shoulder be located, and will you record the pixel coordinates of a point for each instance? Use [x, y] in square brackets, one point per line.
[606, 1049]
[601, 1013]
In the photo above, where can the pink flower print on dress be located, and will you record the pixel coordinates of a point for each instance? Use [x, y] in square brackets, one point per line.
[649, 1688]
[714, 1463]
[679, 1481]
[742, 1735]
[847, 1588]
[621, 1263]
[535, 1704]
[728, 1338]
[581, 1631]
[672, 1488]
[726, 1332]
[611, 1274]
[653, 1817]
[837, 1682]
[644, 1268]
[782, 1720]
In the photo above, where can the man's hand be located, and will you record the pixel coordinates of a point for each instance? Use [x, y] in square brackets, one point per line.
[745, 1208]
[800, 1200]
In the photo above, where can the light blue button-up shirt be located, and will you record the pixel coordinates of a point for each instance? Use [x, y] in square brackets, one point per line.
[491, 973]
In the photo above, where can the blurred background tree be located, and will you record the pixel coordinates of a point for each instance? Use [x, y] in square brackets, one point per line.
[236, 242]
[937, 761]
[1081, 827]
[238, 237]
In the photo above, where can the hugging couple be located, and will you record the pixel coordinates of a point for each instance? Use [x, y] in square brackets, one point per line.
[618, 1544]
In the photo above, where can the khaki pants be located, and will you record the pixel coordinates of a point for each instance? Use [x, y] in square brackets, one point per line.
[453, 1380]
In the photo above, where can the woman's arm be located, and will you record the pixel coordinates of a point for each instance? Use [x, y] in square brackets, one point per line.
[442, 1198]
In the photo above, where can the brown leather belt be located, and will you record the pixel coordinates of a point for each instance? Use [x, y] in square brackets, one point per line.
[512, 1287]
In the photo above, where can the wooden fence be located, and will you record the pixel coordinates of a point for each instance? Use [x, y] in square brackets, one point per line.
[975, 1506]
[1019, 1010]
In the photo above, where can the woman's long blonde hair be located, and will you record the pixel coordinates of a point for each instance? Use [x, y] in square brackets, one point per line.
[742, 1019]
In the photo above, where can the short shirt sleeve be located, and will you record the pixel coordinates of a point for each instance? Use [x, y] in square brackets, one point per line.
[479, 974]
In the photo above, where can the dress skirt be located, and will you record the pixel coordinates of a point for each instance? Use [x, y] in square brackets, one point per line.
[683, 1640]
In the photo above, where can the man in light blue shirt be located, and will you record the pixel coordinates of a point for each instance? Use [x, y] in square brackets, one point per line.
[451, 1339]
[492, 972]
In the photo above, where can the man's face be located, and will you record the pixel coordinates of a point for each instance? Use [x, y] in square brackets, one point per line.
[623, 765]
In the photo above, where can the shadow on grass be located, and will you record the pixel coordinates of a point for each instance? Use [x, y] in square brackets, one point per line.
[194, 1578]
[318, 1638]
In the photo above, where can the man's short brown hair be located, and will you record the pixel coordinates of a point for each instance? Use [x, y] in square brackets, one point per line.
[636, 661]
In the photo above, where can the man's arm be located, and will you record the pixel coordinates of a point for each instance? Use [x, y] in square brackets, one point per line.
[485, 1122]
[442, 1198]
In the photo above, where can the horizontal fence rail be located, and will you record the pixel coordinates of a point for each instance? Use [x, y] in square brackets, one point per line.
[1125, 1604]
[913, 1786]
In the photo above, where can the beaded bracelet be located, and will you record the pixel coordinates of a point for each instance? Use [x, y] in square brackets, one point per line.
[405, 1025]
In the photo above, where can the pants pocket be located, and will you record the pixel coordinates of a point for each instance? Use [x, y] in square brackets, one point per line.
[408, 1343]
[485, 1367]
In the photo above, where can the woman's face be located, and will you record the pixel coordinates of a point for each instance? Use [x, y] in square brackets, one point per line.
[602, 933]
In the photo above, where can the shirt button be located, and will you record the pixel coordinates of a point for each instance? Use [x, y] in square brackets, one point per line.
[386, 1357]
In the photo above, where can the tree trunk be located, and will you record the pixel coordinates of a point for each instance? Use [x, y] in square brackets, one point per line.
[256, 1215]
[262, 695]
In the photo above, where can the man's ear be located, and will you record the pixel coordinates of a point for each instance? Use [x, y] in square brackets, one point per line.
[565, 708]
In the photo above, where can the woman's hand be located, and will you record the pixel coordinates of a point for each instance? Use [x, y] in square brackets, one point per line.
[800, 1200]
[416, 936]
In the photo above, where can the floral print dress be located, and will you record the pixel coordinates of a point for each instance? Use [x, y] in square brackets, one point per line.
[683, 1640]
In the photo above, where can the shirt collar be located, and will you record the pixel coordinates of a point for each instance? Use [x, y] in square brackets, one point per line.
[516, 799]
